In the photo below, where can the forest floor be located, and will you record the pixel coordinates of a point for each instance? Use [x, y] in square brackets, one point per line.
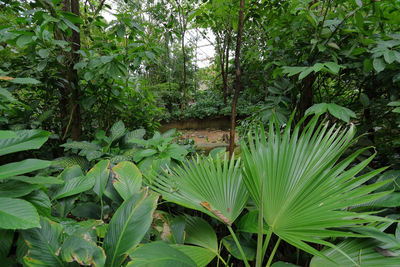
[207, 136]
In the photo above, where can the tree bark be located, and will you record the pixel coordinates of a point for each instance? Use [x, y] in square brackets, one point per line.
[237, 79]
[306, 98]
[69, 103]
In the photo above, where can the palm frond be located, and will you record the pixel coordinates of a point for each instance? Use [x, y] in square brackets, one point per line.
[212, 186]
[307, 190]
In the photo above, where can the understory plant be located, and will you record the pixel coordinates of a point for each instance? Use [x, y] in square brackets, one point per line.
[303, 189]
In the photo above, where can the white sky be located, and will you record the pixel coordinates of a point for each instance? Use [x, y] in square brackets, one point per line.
[205, 50]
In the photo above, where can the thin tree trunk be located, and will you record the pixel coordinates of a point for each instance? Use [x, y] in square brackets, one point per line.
[71, 119]
[184, 72]
[306, 98]
[237, 79]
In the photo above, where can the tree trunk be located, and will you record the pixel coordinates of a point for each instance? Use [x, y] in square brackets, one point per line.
[306, 98]
[69, 104]
[184, 72]
[237, 79]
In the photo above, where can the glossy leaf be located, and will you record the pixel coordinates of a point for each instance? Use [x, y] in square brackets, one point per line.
[22, 167]
[17, 214]
[127, 179]
[23, 140]
[100, 173]
[128, 226]
[159, 254]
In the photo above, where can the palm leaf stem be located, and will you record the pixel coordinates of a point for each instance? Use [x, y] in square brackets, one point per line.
[273, 252]
[239, 246]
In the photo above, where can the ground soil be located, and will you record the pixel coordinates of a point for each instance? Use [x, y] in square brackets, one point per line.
[207, 136]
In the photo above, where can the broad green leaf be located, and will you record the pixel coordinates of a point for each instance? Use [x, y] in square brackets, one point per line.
[74, 186]
[7, 135]
[139, 155]
[44, 244]
[44, 53]
[83, 250]
[16, 189]
[379, 64]
[6, 241]
[117, 131]
[293, 70]
[17, 214]
[389, 56]
[248, 245]
[128, 226]
[81, 145]
[37, 180]
[25, 81]
[40, 200]
[317, 109]
[24, 40]
[341, 112]
[199, 232]
[159, 254]
[201, 256]
[249, 223]
[305, 73]
[127, 179]
[100, 173]
[24, 140]
[334, 67]
[359, 3]
[22, 167]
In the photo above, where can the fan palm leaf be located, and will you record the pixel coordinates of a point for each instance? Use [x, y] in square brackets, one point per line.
[212, 186]
[307, 191]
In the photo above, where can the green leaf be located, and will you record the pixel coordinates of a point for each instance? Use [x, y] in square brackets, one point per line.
[341, 112]
[249, 223]
[283, 264]
[305, 73]
[364, 251]
[201, 256]
[21, 167]
[40, 200]
[117, 131]
[7, 135]
[293, 70]
[332, 66]
[16, 189]
[72, 17]
[139, 155]
[74, 186]
[100, 173]
[333, 45]
[317, 109]
[359, 3]
[128, 226]
[212, 186]
[25, 81]
[17, 214]
[159, 254]
[22, 140]
[317, 67]
[24, 40]
[81, 145]
[70, 24]
[316, 187]
[6, 241]
[44, 53]
[389, 56]
[248, 245]
[37, 180]
[199, 232]
[379, 64]
[43, 244]
[364, 100]
[127, 179]
[83, 250]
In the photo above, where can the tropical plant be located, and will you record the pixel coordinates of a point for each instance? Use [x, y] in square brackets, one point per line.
[23, 197]
[303, 188]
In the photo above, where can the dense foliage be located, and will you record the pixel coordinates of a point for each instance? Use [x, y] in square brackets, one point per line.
[87, 177]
